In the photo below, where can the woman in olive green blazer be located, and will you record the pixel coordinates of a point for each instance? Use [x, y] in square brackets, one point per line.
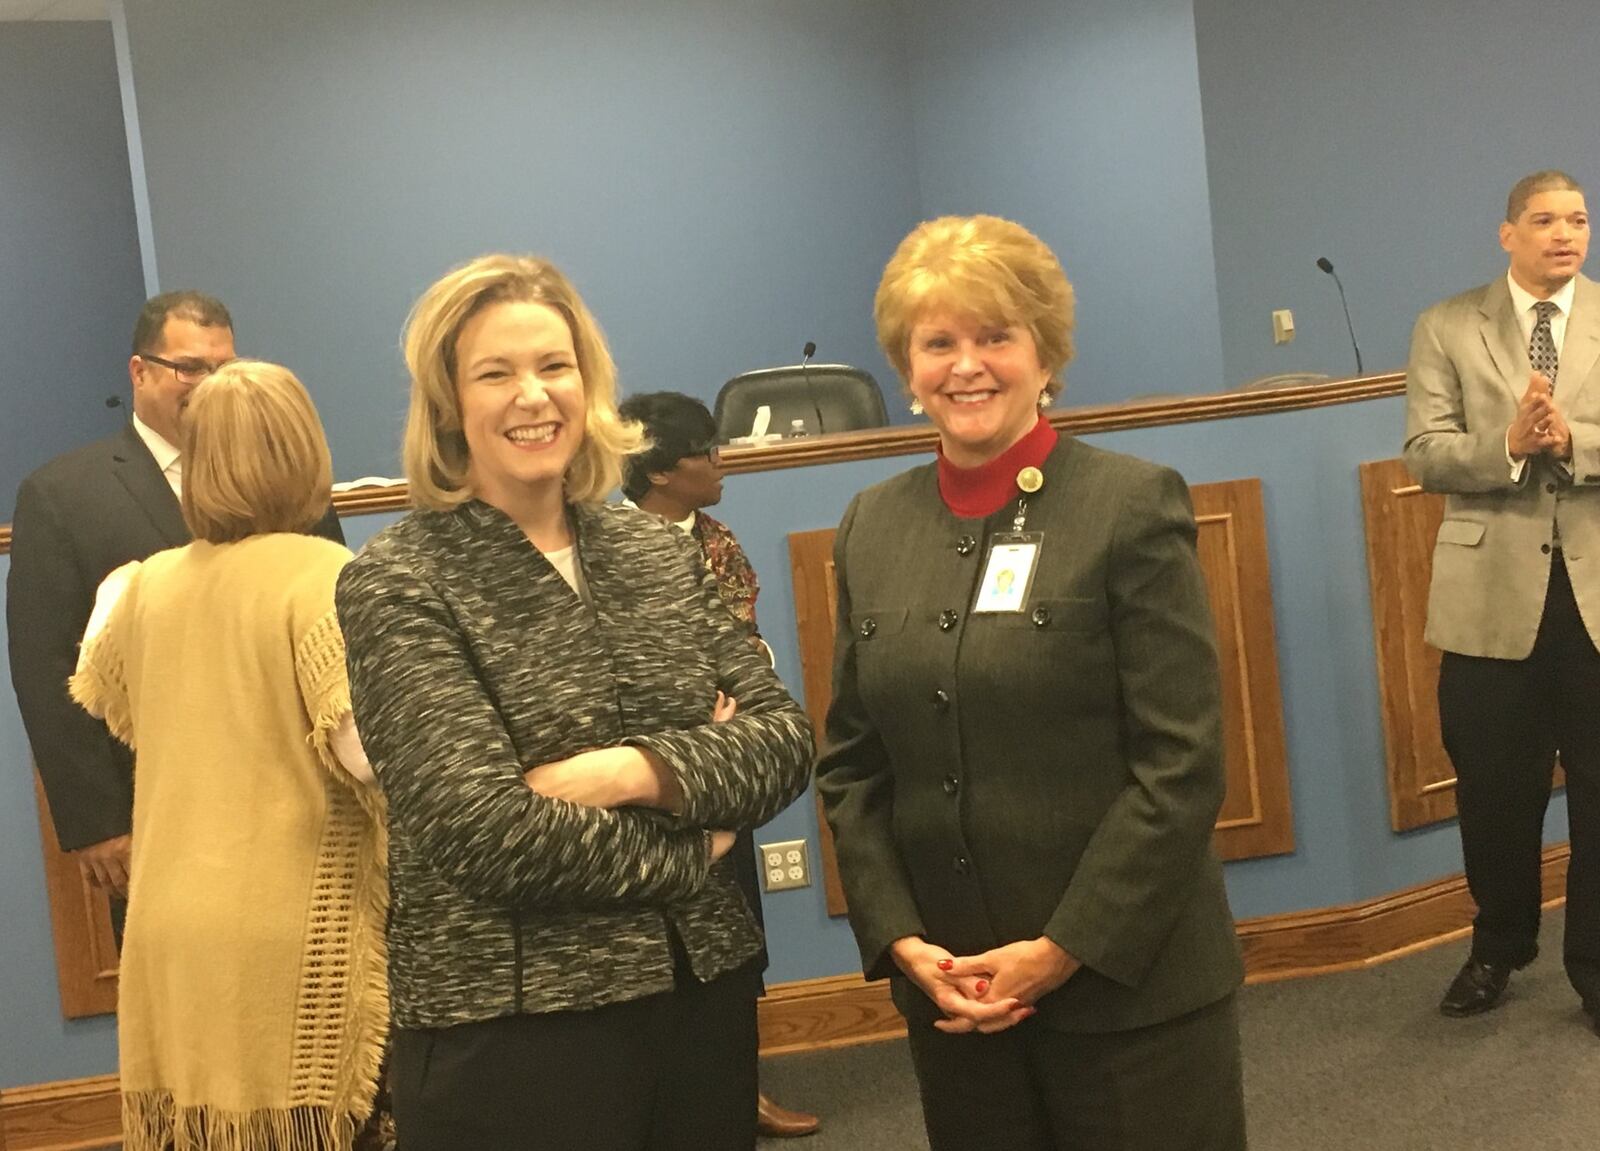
[1022, 799]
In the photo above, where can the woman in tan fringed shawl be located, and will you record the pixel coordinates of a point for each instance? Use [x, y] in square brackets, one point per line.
[253, 1005]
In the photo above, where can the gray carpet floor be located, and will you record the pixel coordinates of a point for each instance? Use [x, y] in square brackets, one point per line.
[1359, 1060]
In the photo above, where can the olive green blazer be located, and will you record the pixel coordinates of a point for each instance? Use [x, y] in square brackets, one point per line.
[1057, 771]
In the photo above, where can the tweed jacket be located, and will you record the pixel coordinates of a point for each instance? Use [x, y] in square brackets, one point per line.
[471, 660]
[1491, 562]
[1057, 771]
[78, 518]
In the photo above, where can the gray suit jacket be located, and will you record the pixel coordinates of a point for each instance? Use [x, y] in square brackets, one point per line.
[1491, 564]
[1056, 772]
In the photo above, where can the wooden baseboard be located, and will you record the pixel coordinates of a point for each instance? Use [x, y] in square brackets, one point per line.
[843, 1010]
[70, 1115]
[1375, 931]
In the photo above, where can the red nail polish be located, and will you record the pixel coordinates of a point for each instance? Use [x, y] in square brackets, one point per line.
[946, 964]
[983, 985]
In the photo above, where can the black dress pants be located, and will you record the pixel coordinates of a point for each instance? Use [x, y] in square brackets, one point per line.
[1503, 723]
[1175, 1086]
[670, 1072]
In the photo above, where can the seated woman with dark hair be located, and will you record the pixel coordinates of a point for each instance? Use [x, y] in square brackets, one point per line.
[677, 477]
[253, 1006]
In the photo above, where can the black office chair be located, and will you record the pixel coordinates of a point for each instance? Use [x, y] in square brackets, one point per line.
[845, 398]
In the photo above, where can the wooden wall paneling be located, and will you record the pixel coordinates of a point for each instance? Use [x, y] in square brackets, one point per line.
[1402, 521]
[811, 563]
[70, 1115]
[1257, 817]
[80, 922]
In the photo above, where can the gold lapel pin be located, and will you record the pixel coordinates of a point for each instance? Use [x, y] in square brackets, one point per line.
[1030, 480]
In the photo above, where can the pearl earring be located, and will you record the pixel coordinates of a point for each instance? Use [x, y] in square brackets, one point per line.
[916, 407]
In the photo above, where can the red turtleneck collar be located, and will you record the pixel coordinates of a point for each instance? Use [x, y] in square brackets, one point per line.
[974, 493]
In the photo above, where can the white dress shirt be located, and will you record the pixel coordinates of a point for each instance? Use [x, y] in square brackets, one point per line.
[166, 455]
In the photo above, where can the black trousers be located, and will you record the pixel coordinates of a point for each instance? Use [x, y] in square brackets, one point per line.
[670, 1072]
[1503, 723]
[1176, 1086]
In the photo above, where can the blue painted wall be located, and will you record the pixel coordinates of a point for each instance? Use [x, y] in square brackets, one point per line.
[1082, 120]
[1384, 136]
[69, 259]
[722, 178]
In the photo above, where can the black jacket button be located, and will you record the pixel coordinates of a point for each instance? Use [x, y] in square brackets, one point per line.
[941, 700]
[961, 865]
[868, 626]
[1041, 616]
[1545, 548]
[965, 546]
[947, 619]
[951, 785]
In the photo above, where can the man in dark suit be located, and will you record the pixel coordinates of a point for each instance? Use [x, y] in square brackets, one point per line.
[77, 518]
[1503, 416]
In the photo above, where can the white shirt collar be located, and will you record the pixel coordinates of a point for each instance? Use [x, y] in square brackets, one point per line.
[685, 525]
[166, 455]
[1524, 300]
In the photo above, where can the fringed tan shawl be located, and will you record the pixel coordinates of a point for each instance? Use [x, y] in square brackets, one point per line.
[253, 1005]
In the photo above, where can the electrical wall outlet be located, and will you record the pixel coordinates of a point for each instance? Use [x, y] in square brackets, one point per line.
[1283, 326]
[785, 865]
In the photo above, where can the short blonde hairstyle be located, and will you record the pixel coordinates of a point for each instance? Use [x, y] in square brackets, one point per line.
[435, 451]
[984, 267]
[255, 459]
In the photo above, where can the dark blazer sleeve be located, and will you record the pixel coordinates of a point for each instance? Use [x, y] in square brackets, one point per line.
[1135, 877]
[451, 776]
[48, 600]
[857, 789]
[743, 772]
[329, 527]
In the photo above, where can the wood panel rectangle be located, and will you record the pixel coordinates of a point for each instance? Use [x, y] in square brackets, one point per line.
[1401, 522]
[1256, 818]
[80, 923]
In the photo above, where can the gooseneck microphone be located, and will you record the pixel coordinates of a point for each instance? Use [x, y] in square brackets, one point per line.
[1327, 266]
[805, 373]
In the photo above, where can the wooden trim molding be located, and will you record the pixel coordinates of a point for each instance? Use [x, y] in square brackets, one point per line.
[844, 1010]
[879, 443]
[70, 1115]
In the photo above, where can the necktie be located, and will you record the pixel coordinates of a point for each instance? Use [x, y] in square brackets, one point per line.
[1542, 346]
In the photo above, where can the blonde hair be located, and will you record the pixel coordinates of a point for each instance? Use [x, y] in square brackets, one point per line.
[255, 458]
[983, 267]
[435, 452]
[1525, 189]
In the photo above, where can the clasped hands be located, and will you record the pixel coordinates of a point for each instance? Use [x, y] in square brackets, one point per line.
[613, 777]
[988, 992]
[1539, 425]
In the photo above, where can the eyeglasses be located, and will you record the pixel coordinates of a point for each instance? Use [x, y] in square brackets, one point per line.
[187, 371]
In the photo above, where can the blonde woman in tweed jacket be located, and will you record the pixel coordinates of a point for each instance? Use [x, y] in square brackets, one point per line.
[534, 675]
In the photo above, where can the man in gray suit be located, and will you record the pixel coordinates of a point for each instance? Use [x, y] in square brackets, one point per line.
[1503, 416]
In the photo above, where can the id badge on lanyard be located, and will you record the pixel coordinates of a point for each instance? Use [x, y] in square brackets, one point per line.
[1013, 557]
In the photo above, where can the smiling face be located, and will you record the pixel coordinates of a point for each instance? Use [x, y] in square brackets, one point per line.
[522, 404]
[979, 383]
[1548, 241]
